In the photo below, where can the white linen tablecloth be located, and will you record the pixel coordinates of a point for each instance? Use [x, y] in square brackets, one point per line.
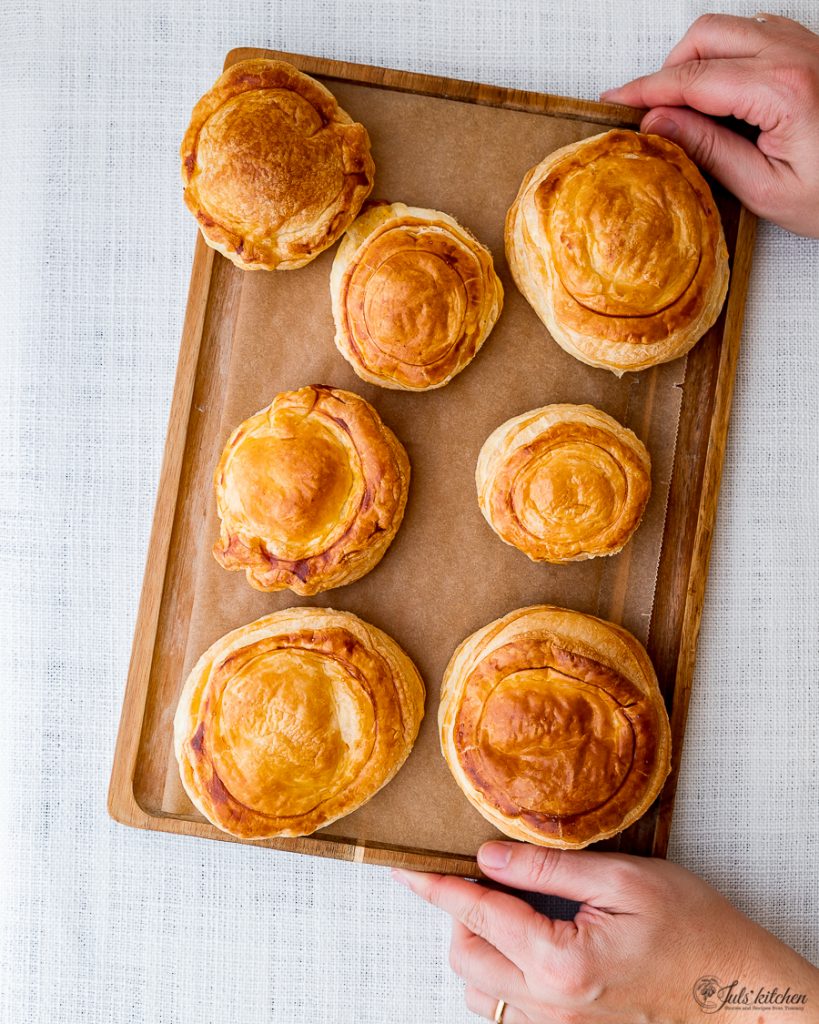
[106, 925]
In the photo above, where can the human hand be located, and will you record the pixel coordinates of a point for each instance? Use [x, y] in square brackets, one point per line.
[762, 70]
[646, 933]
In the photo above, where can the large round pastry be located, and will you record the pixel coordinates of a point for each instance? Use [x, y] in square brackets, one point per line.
[295, 720]
[310, 491]
[563, 483]
[274, 170]
[553, 725]
[617, 244]
[414, 295]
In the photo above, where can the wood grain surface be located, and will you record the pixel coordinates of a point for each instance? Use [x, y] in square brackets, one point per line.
[167, 594]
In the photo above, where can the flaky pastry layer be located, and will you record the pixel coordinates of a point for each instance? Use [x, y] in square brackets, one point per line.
[274, 170]
[414, 296]
[310, 491]
[553, 725]
[563, 483]
[617, 244]
[290, 722]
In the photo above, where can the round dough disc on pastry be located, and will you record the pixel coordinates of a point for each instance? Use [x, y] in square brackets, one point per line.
[617, 244]
[563, 483]
[310, 491]
[553, 725]
[274, 170]
[414, 295]
[295, 720]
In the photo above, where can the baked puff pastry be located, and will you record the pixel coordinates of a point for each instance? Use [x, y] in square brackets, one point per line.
[414, 296]
[553, 725]
[310, 491]
[617, 244]
[295, 720]
[274, 170]
[563, 483]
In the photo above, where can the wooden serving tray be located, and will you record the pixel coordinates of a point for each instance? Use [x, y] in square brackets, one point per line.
[184, 600]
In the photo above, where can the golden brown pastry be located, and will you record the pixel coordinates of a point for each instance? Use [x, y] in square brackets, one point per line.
[553, 725]
[617, 244]
[295, 720]
[415, 295]
[563, 483]
[274, 170]
[310, 491]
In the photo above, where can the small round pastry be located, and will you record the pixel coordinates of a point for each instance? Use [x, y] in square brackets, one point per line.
[295, 720]
[553, 725]
[617, 244]
[310, 491]
[563, 483]
[414, 295]
[274, 170]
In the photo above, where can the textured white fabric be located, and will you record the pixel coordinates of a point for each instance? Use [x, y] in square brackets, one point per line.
[107, 925]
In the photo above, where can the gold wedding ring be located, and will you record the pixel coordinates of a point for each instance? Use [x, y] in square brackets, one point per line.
[500, 1009]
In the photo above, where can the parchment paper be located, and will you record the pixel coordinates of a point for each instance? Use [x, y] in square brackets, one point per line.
[446, 573]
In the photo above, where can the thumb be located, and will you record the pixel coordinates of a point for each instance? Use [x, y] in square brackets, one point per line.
[606, 880]
[731, 159]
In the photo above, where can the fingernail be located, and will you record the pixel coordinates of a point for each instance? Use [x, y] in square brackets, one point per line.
[400, 876]
[495, 855]
[607, 94]
[663, 126]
